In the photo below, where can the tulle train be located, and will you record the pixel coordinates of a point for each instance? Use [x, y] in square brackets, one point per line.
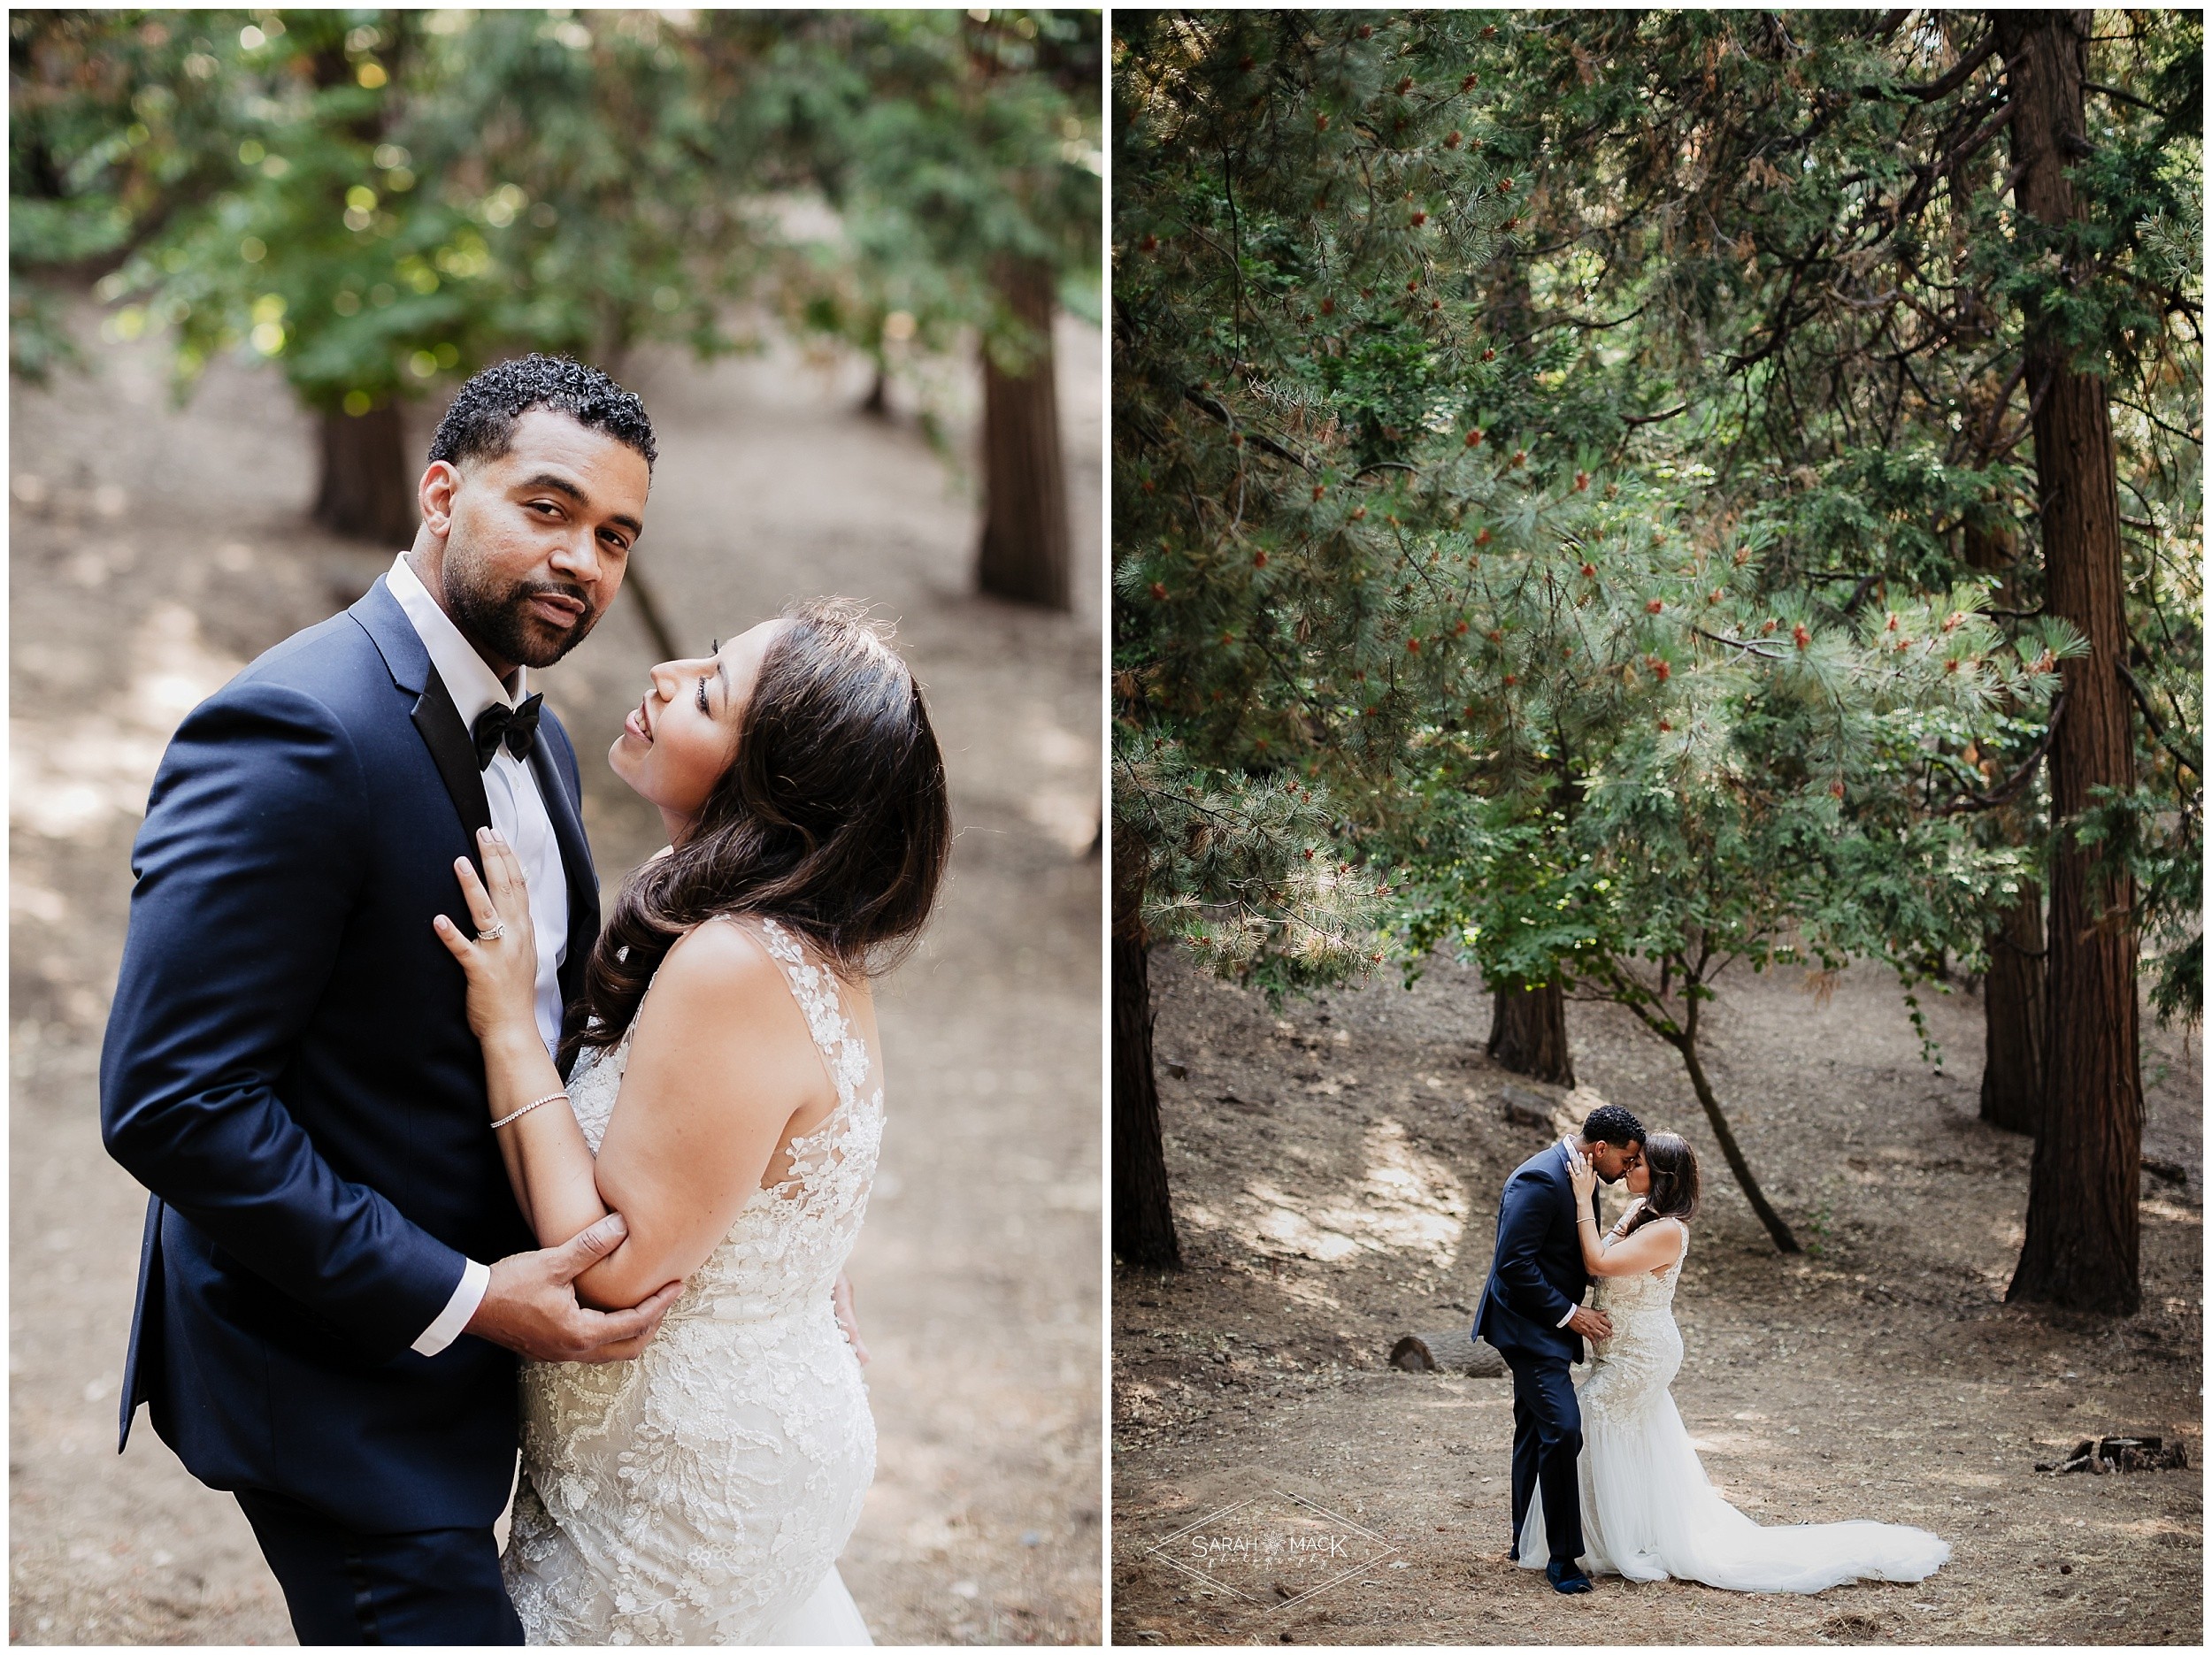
[829, 1616]
[1649, 1514]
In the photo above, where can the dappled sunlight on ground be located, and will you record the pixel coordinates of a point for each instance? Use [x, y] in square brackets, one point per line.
[77, 772]
[1391, 1197]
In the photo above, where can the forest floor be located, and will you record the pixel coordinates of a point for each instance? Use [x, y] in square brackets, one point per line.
[156, 550]
[1336, 1165]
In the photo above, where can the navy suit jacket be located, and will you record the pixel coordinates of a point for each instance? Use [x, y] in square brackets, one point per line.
[1536, 1270]
[289, 1068]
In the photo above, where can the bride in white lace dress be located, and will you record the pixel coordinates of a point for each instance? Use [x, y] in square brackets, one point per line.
[1649, 1513]
[728, 1103]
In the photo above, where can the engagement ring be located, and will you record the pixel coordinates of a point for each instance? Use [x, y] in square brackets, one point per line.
[494, 934]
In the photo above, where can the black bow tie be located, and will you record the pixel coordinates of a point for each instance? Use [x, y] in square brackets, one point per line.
[517, 726]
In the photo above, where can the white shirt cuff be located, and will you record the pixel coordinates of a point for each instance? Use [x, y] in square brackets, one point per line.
[1562, 1322]
[475, 1279]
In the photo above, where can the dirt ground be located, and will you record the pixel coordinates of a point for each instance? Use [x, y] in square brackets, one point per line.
[1336, 1166]
[155, 551]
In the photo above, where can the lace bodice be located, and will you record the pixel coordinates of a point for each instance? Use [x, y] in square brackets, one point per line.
[1645, 1293]
[702, 1493]
[1638, 1363]
[788, 1242]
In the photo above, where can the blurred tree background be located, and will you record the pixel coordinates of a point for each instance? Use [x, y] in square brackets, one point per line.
[377, 202]
[1620, 491]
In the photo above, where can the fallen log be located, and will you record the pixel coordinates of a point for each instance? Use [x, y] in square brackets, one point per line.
[1519, 1107]
[2170, 1171]
[2104, 1455]
[1451, 1352]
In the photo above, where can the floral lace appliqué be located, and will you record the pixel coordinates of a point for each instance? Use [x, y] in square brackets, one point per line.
[698, 1494]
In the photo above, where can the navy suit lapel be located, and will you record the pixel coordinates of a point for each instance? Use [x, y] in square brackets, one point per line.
[436, 717]
[1566, 1171]
[439, 722]
[1574, 1209]
[583, 883]
[454, 752]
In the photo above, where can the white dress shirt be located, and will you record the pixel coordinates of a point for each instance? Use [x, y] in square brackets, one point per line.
[519, 813]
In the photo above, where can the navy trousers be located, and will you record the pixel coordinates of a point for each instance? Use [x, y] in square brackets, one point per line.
[1547, 1443]
[434, 1586]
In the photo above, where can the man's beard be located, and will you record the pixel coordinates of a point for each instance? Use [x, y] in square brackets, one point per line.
[501, 622]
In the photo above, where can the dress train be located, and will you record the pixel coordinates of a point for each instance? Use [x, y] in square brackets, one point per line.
[1648, 1511]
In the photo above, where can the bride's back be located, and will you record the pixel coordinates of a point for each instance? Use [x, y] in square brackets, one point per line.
[811, 1085]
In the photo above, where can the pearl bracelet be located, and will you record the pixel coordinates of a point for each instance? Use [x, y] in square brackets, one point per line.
[527, 1107]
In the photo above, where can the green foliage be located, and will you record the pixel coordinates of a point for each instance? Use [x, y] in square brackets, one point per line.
[379, 200]
[317, 252]
[112, 118]
[949, 146]
[1241, 872]
[1616, 699]
[2137, 832]
[1806, 216]
[1582, 454]
[1775, 796]
[1298, 213]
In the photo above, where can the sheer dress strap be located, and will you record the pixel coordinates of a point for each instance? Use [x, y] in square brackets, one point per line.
[821, 1002]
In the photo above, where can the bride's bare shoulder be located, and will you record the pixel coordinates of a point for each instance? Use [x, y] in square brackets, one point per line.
[722, 966]
[722, 1003]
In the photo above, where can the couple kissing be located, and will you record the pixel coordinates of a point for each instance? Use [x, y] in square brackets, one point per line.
[1605, 1480]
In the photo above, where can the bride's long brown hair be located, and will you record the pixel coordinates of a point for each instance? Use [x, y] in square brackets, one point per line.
[1674, 1184]
[832, 818]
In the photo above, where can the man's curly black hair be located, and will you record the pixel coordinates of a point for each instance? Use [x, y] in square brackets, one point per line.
[1609, 1123]
[480, 425]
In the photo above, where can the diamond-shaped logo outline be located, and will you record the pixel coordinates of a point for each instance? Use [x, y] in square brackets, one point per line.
[1216, 1583]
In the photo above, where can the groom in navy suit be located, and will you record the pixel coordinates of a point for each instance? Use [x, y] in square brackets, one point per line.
[1532, 1311]
[334, 1273]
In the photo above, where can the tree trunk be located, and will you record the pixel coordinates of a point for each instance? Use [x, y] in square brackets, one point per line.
[2084, 1227]
[1144, 1221]
[1528, 1033]
[635, 582]
[1509, 308]
[2013, 1012]
[1685, 1042]
[877, 401]
[2013, 1016]
[1024, 551]
[367, 488]
[366, 491]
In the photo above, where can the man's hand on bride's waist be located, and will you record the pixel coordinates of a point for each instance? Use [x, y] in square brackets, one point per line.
[841, 1301]
[1591, 1324]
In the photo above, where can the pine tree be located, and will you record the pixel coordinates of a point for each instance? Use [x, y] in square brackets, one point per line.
[1395, 522]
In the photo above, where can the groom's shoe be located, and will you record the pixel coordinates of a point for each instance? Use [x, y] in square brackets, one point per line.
[1565, 1576]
